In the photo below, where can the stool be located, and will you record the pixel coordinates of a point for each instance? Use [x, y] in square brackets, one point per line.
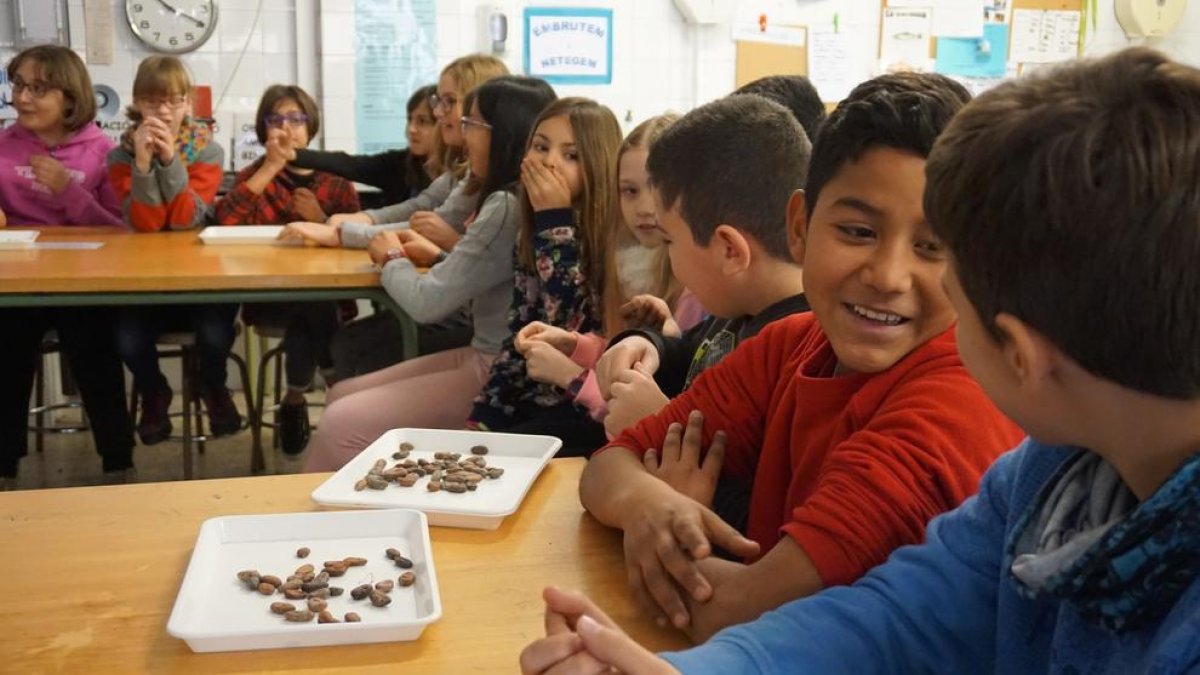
[40, 410]
[183, 346]
[274, 356]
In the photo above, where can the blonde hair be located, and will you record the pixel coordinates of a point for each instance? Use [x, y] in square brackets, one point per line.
[664, 284]
[597, 138]
[159, 75]
[468, 72]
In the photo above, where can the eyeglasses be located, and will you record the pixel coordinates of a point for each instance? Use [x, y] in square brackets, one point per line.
[293, 119]
[36, 89]
[448, 101]
[422, 120]
[468, 124]
[156, 102]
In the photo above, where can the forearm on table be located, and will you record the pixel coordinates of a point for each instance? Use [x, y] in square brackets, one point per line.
[614, 483]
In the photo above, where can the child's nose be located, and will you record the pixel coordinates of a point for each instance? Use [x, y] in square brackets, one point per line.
[889, 270]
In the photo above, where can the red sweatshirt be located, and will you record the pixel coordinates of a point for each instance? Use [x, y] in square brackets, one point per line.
[850, 467]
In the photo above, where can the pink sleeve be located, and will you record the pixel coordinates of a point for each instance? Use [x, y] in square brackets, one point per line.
[84, 208]
[590, 398]
[589, 347]
[688, 311]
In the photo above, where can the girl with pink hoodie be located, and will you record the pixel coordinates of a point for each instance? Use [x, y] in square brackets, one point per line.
[52, 172]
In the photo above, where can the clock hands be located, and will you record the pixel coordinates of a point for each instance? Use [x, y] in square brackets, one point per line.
[177, 12]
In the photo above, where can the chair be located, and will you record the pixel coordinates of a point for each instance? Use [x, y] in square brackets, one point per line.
[271, 358]
[183, 346]
[42, 424]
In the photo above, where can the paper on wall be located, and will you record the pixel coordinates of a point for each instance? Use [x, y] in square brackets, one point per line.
[904, 43]
[958, 18]
[834, 65]
[1044, 36]
[985, 57]
[98, 31]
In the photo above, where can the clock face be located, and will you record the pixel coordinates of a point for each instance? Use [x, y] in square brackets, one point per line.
[173, 26]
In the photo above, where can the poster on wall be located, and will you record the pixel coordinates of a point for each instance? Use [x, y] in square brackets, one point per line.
[569, 45]
[395, 45]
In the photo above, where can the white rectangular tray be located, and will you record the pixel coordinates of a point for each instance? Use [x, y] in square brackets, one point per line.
[522, 458]
[18, 238]
[240, 234]
[214, 612]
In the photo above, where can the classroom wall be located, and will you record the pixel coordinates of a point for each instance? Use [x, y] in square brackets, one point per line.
[660, 62]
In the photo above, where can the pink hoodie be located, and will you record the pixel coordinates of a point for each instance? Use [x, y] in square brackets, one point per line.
[89, 199]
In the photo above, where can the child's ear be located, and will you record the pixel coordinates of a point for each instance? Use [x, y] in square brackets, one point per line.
[1031, 356]
[797, 225]
[732, 250]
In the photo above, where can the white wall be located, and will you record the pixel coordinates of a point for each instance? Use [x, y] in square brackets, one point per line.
[660, 62]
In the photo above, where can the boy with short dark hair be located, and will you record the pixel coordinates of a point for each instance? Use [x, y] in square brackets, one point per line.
[845, 430]
[794, 92]
[1068, 202]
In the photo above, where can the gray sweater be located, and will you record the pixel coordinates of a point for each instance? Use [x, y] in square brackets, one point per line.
[478, 271]
[446, 197]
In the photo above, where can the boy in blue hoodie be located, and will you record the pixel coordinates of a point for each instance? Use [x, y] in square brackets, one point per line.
[1069, 206]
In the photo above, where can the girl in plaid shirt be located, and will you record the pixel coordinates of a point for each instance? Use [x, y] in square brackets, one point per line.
[273, 192]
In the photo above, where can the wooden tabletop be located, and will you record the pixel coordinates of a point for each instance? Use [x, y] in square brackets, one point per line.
[90, 577]
[175, 261]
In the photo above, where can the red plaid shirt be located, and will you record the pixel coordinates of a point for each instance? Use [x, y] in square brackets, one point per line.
[274, 205]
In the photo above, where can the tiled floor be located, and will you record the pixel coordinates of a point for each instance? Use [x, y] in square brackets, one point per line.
[70, 460]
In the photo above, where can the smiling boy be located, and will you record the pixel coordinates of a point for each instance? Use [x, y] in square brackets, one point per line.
[855, 424]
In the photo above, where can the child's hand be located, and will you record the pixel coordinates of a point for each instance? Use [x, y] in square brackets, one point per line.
[679, 465]
[3, 219]
[300, 232]
[633, 396]
[580, 638]
[339, 219]
[719, 611]
[163, 142]
[418, 249]
[50, 172]
[545, 363]
[621, 357]
[143, 145]
[664, 539]
[645, 311]
[305, 205]
[562, 340]
[280, 151]
[380, 245]
[546, 187]
[431, 226]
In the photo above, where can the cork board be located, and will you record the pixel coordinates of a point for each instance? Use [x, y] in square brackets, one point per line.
[760, 59]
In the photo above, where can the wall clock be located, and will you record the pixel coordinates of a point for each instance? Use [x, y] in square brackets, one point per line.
[172, 26]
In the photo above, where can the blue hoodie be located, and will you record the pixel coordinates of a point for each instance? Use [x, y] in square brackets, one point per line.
[951, 606]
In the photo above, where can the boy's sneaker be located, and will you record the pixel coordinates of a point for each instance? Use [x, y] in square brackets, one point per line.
[223, 416]
[155, 424]
[294, 429]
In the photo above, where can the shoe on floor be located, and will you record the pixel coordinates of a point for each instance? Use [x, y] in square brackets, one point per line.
[155, 424]
[223, 416]
[294, 428]
[120, 477]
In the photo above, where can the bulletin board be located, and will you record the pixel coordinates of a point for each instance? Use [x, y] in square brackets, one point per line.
[760, 59]
[1061, 5]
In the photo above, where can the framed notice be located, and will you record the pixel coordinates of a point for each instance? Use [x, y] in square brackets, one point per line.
[569, 45]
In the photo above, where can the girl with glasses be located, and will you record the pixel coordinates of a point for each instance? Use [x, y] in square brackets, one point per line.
[166, 172]
[52, 163]
[273, 191]
[436, 390]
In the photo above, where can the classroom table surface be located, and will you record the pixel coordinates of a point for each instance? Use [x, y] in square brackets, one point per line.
[91, 574]
[174, 261]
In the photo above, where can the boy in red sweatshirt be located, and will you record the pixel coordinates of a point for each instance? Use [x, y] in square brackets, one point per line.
[853, 425]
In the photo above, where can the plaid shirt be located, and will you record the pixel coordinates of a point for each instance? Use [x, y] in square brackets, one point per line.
[274, 205]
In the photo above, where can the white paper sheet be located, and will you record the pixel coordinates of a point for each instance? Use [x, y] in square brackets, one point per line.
[835, 66]
[1044, 36]
[904, 43]
[957, 18]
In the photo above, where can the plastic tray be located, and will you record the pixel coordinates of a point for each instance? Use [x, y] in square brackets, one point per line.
[214, 612]
[18, 238]
[240, 234]
[522, 458]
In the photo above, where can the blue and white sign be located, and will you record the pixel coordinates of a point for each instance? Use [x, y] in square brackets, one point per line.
[569, 45]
